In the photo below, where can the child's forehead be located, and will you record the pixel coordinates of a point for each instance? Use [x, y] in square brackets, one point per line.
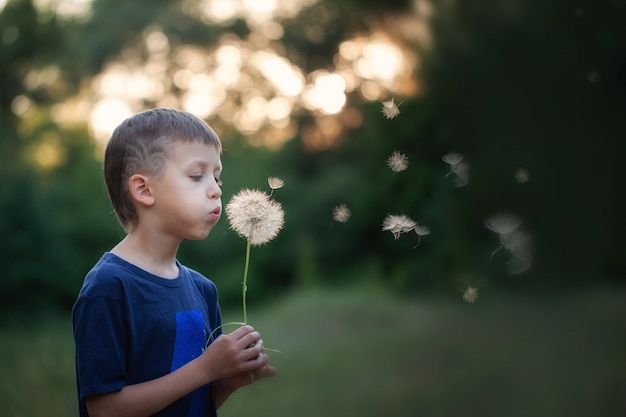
[183, 144]
[197, 151]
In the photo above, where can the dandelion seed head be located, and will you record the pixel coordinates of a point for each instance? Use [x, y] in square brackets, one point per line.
[470, 294]
[275, 183]
[398, 161]
[398, 224]
[390, 109]
[253, 215]
[522, 175]
[341, 213]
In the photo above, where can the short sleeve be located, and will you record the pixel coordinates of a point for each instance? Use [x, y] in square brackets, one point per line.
[99, 336]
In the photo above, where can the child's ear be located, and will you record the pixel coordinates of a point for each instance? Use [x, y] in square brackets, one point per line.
[139, 190]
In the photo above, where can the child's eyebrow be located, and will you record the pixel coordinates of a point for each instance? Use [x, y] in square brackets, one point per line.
[201, 163]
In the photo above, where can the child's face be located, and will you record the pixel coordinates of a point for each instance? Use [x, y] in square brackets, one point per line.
[187, 195]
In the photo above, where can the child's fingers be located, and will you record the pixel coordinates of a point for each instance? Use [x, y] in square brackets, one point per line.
[267, 371]
[249, 340]
[242, 331]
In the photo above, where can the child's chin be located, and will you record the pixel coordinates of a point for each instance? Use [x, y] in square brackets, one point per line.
[202, 234]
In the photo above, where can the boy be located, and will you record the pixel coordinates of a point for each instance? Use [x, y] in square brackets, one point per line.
[142, 319]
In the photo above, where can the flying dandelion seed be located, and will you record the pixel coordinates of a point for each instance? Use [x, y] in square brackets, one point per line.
[593, 76]
[522, 175]
[390, 109]
[398, 224]
[519, 245]
[452, 158]
[503, 223]
[341, 213]
[398, 162]
[420, 231]
[461, 170]
[470, 294]
[513, 239]
[458, 167]
[275, 183]
[253, 215]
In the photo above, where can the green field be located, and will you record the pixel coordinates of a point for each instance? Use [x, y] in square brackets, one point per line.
[360, 353]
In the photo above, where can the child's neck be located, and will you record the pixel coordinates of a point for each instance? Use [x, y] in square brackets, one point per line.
[158, 258]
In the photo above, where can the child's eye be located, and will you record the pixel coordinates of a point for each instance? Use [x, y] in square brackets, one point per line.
[218, 181]
[197, 177]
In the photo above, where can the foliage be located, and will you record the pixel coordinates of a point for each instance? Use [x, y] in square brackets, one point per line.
[507, 84]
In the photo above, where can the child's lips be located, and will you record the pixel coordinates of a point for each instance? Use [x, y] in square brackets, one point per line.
[215, 213]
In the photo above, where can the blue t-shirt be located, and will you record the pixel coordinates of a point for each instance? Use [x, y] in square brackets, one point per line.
[131, 326]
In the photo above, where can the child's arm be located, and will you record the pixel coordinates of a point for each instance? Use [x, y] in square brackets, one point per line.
[228, 356]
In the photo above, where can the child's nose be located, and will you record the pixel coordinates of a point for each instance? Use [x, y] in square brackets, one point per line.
[215, 191]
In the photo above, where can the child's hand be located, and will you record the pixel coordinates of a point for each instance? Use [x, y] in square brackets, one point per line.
[246, 378]
[235, 354]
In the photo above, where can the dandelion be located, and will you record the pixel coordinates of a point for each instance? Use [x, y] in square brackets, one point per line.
[390, 109]
[421, 231]
[275, 183]
[398, 224]
[458, 167]
[398, 161]
[341, 213]
[470, 294]
[522, 175]
[253, 215]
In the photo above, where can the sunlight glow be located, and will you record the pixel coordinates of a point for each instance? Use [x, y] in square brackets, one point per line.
[66, 8]
[279, 108]
[204, 97]
[249, 82]
[285, 76]
[258, 12]
[379, 60]
[156, 42]
[220, 10]
[48, 153]
[327, 93]
[260, 7]
[21, 105]
[107, 114]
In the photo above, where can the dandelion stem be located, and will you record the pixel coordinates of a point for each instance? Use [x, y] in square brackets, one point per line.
[245, 283]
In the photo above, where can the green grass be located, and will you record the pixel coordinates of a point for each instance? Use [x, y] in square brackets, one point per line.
[362, 353]
[37, 368]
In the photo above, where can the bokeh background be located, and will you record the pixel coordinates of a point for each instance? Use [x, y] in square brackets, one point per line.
[368, 325]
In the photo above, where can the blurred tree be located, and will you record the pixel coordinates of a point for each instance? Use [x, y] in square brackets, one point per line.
[507, 84]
